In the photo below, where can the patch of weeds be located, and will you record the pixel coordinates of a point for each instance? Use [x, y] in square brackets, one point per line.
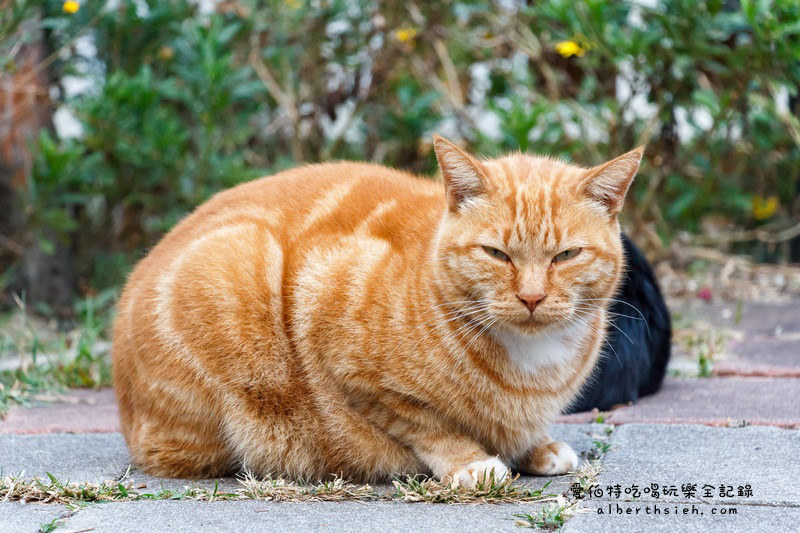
[53, 490]
[78, 495]
[428, 490]
[51, 361]
[704, 366]
[412, 489]
[279, 489]
[585, 477]
[736, 423]
[600, 445]
[554, 515]
[587, 474]
[551, 517]
[51, 526]
[187, 493]
[600, 448]
[706, 346]
[738, 314]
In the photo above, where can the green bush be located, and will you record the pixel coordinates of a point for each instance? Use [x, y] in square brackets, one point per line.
[165, 127]
[185, 104]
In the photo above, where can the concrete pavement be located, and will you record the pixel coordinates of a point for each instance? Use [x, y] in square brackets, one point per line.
[712, 454]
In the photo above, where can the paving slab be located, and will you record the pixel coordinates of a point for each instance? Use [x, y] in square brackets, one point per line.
[580, 437]
[191, 516]
[21, 517]
[762, 457]
[769, 319]
[754, 356]
[755, 319]
[764, 337]
[690, 518]
[100, 457]
[80, 411]
[717, 402]
[91, 457]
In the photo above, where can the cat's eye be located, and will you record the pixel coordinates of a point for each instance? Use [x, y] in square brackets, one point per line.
[497, 254]
[566, 255]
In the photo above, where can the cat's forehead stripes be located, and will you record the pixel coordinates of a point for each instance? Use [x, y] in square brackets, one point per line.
[533, 194]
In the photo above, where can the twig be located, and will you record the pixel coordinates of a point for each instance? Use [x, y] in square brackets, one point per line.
[750, 235]
[526, 41]
[744, 264]
[285, 99]
[455, 94]
[43, 64]
[11, 245]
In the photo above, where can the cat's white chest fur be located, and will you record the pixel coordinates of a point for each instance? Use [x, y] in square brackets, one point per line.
[532, 352]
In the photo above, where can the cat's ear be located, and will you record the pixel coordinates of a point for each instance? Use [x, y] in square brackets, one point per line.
[463, 174]
[608, 183]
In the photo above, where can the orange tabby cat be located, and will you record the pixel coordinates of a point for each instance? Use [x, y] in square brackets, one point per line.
[346, 318]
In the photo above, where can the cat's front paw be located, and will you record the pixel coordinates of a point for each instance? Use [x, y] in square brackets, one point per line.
[552, 459]
[480, 471]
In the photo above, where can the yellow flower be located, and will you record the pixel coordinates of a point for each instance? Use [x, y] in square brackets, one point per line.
[71, 6]
[166, 53]
[293, 4]
[405, 34]
[764, 208]
[569, 49]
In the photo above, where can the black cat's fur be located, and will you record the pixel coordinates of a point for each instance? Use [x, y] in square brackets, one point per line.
[634, 360]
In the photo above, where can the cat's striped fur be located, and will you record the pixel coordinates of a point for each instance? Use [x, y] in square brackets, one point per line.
[346, 318]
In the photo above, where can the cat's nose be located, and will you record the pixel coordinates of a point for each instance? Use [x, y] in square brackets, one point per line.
[531, 300]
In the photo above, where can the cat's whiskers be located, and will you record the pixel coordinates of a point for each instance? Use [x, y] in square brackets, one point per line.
[476, 309]
[610, 322]
[587, 305]
[464, 349]
[611, 313]
[584, 320]
[450, 316]
[616, 300]
[479, 333]
[461, 333]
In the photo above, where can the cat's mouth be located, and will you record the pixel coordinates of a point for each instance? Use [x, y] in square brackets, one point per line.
[533, 322]
[540, 320]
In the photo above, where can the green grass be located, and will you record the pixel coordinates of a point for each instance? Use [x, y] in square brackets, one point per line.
[76, 495]
[51, 361]
[53, 490]
[707, 346]
[551, 517]
[413, 489]
[600, 447]
[51, 526]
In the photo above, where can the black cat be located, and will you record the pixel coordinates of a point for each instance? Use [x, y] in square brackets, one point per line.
[634, 359]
